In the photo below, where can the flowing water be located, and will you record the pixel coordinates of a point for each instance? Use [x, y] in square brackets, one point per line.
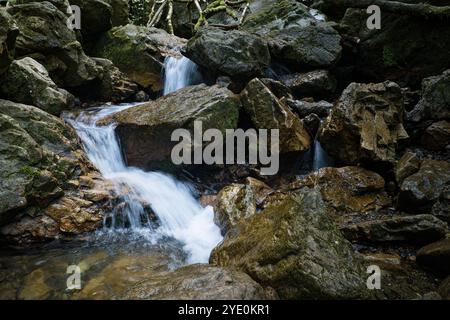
[320, 159]
[179, 73]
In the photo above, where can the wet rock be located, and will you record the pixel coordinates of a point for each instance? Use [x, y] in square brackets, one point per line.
[8, 35]
[441, 208]
[436, 257]
[295, 248]
[435, 101]
[366, 125]
[148, 127]
[268, 112]
[294, 35]
[138, 52]
[317, 84]
[417, 229]
[305, 108]
[35, 287]
[45, 37]
[436, 136]
[96, 16]
[236, 202]
[237, 54]
[421, 190]
[277, 88]
[115, 86]
[348, 189]
[198, 282]
[312, 123]
[28, 82]
[444, 289]
[408, 164]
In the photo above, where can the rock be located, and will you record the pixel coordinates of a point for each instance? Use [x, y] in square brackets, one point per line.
[366, 125]
[348, 189]
[408, 164]
[268, 112]
[318, 84]
[305, 108]
[197, 282]
[39, 153]
[441, 208]
[421, 190]
[312, 123]
[295, 37]
[236, 202]
[406, 49]
[35, 287]
[8, 35]
[417, 229]
[62, 5]
[138, 52]
[148, 127]
[237, 54]
[436, 257]
[436, 136]
[295, 248]
[444, 289]
[120, 12]
[28, 82]
[115, 86]
[45, 37]
[277, 88]
[95, 16]
[435, 101]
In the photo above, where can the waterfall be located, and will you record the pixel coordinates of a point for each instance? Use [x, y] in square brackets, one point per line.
[320, 158]
[179, 214]
[179, 73]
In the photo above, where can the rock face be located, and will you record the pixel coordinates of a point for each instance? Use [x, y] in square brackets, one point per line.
[8, 35]
[435, 102]
[348, 189]
[436, 136]
[138, 52]
[418, 229]
[268, 112]
[198, 282]
[237, 54]
[28, 82]
[294, 247]
[436, 256]
[44, 36]
[40, 163]
[294, 35]
[318, 84]
[366, 125]
[148, 127]
[421, 190]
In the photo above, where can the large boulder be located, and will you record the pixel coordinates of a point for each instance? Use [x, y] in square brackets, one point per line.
[295, 248]
[44, 35]
[41, 166]
[198, 282]
[435, 101]
[318, 84]
[421, 190]
[138, 52]
[120, 12]
[145, 131]
[436, 136]
[95, 16]
[28, 82]
[235, 53]
[417, 229]
[348, 189]
[436, 256]
[294, 35]
[8, 35]
[268, 112]
[366, 125]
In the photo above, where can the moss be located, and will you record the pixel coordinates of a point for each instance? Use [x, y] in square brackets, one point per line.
[29, 171]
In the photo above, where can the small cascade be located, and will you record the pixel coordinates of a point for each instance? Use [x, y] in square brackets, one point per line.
[180, 72]
[320, 158]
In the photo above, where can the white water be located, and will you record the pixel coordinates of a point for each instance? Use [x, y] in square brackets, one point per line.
[180, 216]
[321, 159]
[179, 73]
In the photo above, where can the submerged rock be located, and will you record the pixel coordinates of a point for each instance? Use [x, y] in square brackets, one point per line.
[28, 82]
[145, 130]
[8, 35]
[237, 54]
[421, 190]
[348, 189]
[366, 125]
[417, 229]
[295, 248]
[294, 35]
[198, 282]
[138, 52]
[268, 112]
